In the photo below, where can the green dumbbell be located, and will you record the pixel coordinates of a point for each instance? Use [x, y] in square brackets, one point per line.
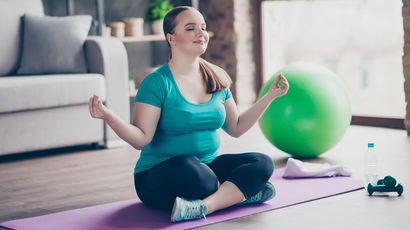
[388, 184]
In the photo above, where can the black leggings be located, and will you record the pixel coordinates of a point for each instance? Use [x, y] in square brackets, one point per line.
[185, 176]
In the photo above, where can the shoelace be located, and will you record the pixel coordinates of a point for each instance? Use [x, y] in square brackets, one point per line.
[203, 215]
[203, 212]
[256, 197]
[192, 211]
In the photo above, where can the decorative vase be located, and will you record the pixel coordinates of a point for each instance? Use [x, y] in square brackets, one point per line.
[157, 26]
[117, 29]
[134, 27]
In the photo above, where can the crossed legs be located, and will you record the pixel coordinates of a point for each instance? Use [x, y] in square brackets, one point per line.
[225, 182]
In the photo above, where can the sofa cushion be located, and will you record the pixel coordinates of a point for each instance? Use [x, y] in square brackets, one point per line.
[11, 12]
[44, 91]
[54, 44]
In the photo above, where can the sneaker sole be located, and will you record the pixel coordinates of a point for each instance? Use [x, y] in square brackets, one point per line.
[272, 188]
[174, 208]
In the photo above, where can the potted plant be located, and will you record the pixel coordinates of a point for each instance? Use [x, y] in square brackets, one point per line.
[155, 14]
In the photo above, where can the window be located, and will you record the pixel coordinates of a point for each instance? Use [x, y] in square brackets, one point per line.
[360, 40]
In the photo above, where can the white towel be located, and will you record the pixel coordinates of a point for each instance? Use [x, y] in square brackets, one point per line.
[296, 168]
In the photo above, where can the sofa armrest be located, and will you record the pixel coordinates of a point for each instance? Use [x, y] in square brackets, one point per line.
[108, 56]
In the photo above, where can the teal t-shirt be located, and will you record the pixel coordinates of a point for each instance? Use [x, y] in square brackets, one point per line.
[183, 127]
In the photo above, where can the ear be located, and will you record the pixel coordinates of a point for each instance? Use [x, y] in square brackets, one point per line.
[171, 39]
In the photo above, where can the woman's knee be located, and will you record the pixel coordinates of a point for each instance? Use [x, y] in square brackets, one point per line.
[202, 181]
[196, 179]
[263, 165]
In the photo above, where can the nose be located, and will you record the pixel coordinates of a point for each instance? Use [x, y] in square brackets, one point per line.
[201, 32]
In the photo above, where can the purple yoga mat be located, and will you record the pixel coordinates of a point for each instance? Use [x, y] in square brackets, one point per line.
[132, 214]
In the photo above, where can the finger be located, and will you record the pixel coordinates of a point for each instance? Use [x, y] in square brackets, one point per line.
[283, 78]
[100, 105]
[285, 88]
[95, 99]
[95, 104]
[276, 82]
[285, 84]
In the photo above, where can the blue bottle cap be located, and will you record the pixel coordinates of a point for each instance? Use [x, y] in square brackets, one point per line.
[370, 145]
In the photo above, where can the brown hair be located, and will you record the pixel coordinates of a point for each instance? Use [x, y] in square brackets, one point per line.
[215, 77]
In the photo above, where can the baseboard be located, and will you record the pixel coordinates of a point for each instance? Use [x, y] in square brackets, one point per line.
[394, 123]
[115, 143]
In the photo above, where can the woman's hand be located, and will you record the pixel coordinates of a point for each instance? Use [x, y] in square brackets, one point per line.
[277, 91]
[97, 109]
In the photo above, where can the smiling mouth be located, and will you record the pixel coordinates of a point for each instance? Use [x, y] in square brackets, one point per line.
[199, 42]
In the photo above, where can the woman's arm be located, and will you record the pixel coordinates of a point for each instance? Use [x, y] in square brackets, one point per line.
[236, 125]
[144, 122]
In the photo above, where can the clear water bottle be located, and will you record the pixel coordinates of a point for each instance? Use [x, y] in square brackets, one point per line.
[370, 164]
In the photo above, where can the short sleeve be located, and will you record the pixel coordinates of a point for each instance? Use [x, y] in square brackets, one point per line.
[228, 93]
[150, 91]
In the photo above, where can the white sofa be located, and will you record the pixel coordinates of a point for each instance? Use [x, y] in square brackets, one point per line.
[47, 111]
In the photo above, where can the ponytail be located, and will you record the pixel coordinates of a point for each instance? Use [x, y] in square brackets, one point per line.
[215, 77]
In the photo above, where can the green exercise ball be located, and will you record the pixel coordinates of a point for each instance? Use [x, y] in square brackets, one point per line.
[312, 117]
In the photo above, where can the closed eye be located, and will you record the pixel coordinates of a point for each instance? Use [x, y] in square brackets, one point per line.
[191, 29]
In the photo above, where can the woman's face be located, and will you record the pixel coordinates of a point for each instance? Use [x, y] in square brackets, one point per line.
[190, 35]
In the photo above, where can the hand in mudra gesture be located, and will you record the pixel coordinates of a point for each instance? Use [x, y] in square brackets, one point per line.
[281, 90]
[97, 109]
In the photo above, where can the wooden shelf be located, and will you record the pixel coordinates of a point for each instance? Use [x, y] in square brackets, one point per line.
[133, 94]
[149, 38]
[145, 38]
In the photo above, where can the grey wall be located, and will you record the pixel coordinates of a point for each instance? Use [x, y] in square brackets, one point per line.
[141, 55]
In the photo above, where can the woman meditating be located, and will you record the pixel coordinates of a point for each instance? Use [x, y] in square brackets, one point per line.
[177, 112]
